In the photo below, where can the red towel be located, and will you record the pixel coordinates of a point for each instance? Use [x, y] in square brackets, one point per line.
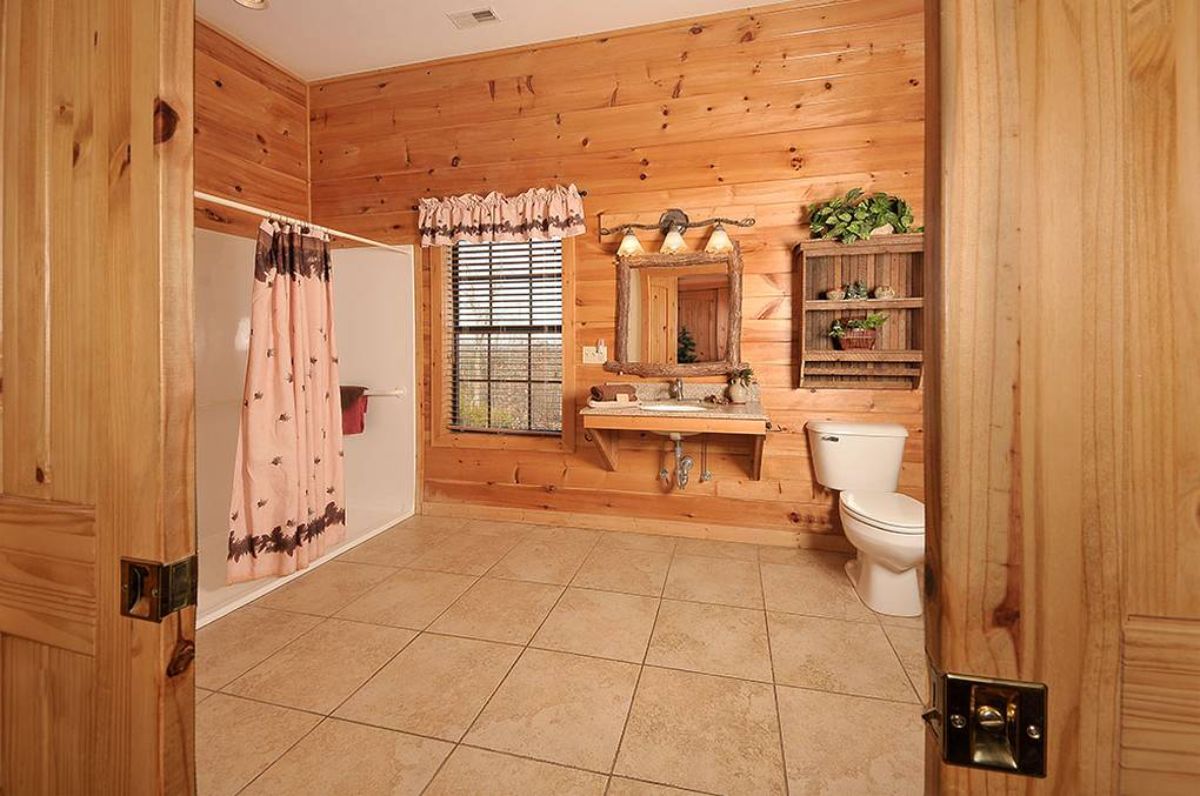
[354, 409]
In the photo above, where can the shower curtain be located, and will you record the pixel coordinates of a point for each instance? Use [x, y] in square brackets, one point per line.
[288, 486]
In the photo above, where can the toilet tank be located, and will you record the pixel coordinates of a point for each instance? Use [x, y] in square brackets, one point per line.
[864, 456]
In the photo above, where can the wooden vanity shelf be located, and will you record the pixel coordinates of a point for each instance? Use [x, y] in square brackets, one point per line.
[897, 359]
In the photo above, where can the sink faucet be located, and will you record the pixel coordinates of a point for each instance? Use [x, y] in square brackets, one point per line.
[676, 389]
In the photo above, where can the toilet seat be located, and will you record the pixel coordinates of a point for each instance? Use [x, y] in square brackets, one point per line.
[892, 512]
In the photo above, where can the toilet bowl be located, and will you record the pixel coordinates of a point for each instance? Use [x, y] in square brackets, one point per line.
[888, 531]
[862, 461]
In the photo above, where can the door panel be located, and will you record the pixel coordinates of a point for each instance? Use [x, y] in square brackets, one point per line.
[1064, 455]
[97, 391]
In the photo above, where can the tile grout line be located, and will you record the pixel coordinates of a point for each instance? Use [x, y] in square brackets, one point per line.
[787, 787]
[912, 683]
[642, 668]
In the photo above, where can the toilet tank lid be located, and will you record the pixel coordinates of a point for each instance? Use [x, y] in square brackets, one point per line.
[894, 509]
[857, 429]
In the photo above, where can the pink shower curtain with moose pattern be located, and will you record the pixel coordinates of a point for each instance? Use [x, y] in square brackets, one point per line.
[288, 487]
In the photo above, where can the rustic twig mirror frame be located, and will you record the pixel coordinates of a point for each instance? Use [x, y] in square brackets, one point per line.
[733, 349]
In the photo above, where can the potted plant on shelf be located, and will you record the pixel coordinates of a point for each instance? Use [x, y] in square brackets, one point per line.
[858, 216]
[857, 333]
[739, 384]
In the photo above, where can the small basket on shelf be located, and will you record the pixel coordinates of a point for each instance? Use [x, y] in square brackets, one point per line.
[857, 333]
[852, 339]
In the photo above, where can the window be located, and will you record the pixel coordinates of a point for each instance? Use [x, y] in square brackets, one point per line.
[504, 318]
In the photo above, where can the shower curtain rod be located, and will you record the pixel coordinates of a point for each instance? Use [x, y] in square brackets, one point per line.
[258, 211]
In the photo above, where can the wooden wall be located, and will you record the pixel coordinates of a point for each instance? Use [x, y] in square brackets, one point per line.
[251, 134]
[750, 113]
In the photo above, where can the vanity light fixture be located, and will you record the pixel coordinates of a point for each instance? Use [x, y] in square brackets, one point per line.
[672, 224]
[254, 5]
[673, 243]
[630, 244]
[718, 241]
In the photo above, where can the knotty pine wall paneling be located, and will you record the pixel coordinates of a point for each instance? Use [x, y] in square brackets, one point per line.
[749, 113]
[251, 134]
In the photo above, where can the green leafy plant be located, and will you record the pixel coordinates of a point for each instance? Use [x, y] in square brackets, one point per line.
[875, 320]
[856, 291]
[744, 374]
[685, 347]
[852, 217]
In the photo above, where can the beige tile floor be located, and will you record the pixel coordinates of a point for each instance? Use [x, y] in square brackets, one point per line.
[470, 657]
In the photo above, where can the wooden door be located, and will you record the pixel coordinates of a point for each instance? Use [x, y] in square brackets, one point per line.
[1063, 482]
[97, 392]
[662, 309]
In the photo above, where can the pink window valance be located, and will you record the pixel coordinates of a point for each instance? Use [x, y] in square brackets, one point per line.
[537, 214]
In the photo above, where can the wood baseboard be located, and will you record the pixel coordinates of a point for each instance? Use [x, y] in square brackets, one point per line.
[690, 530]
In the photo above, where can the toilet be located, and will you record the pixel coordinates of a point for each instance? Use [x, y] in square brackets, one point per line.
[862, 462]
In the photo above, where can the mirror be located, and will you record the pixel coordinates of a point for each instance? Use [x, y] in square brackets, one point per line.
[678, 314]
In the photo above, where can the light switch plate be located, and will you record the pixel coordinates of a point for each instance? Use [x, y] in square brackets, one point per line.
[594, 355]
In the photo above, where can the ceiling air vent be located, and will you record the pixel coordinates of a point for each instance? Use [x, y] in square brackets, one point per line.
[473, 19]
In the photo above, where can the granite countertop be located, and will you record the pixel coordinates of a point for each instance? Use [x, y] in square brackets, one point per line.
[748, 411]
[694, 393]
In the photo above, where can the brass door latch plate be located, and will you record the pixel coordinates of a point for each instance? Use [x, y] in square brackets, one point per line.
[151, 590]
[999, 725]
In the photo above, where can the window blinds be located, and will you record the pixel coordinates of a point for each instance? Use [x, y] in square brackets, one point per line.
[505, 337]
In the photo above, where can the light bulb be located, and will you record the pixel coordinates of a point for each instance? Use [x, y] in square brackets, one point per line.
[673, 244]
[718, 241]
[630, 245]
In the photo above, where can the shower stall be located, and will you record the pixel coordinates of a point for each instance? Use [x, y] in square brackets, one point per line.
[374, 313]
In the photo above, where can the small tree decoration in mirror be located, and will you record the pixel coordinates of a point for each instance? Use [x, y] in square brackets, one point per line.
[685, 349]
[857, 333]
[739, 384]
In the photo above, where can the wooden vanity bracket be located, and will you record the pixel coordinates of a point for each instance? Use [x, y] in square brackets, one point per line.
[604, 431]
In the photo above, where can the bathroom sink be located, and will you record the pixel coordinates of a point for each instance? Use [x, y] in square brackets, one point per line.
[672, 408]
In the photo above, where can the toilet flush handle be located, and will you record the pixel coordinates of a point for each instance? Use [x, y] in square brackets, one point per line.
[829, 438]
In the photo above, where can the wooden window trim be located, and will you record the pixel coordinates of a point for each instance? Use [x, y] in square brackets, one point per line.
[440, 435]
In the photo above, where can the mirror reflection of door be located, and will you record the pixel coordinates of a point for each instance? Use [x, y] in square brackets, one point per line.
[681, 315]
[702, 326]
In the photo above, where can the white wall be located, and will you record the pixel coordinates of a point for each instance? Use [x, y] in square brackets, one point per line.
[374, 323]
[374, 316]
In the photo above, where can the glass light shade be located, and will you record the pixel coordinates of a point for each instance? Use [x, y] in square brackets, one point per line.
[718, 241]
[629, 245]
[673, 244]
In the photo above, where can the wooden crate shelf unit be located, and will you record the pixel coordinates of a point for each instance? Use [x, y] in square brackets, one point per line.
[896, 360]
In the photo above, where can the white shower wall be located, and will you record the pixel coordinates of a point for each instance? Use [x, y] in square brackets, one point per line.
[374, 314]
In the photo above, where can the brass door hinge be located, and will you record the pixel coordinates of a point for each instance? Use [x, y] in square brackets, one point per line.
[151, 590]
[982, 722]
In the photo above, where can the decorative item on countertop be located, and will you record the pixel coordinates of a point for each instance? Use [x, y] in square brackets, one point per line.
[856, 292]
[716, 398]
[856, 216]
[739, 384]
[835, 294]
[885, 292]
[857, 333]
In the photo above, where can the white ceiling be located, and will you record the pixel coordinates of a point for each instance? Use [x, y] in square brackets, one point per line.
[324, 38]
